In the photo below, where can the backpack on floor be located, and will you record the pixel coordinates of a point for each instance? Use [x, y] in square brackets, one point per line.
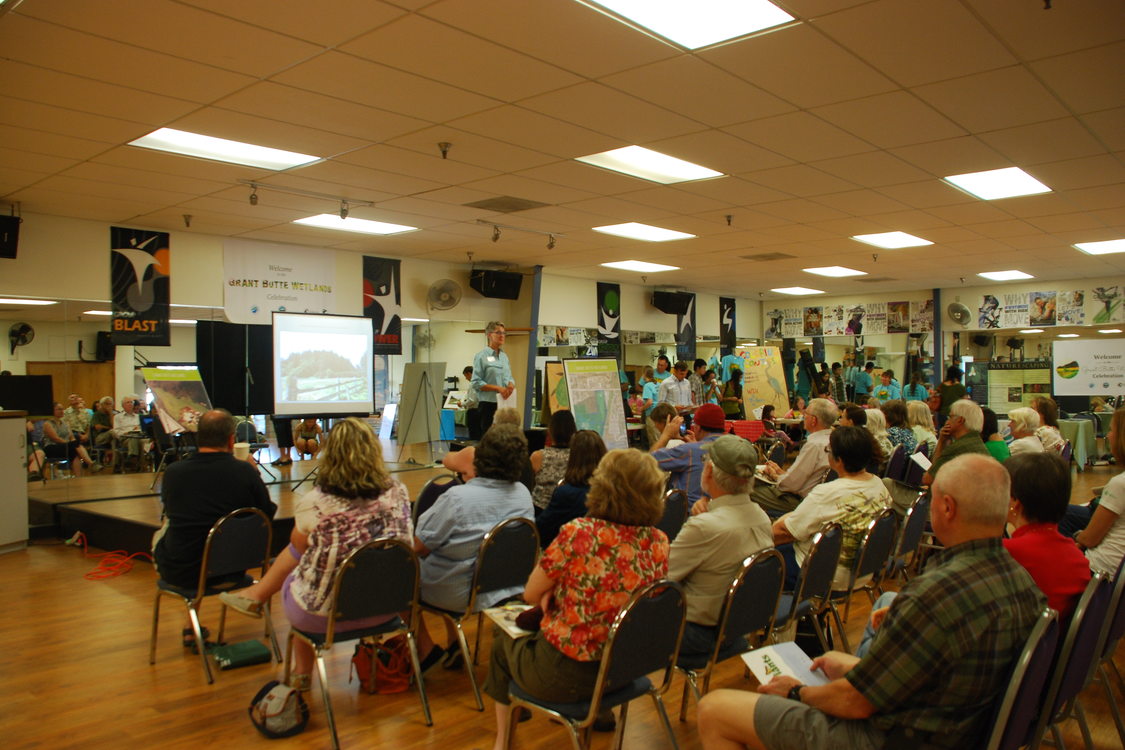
[279, 710]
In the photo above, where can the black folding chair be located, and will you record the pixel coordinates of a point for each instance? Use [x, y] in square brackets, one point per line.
[676, 511]
[870, 562]
[430, 492]
[1111, 637]
[896, 463]
[810, 600]
[1017, 711]
[246, 432]
[238, 541]
[506, 558]
[749, 607]
[379, 578]
[1076, 662]
[777, 453]
[910, 537]
[644, 638]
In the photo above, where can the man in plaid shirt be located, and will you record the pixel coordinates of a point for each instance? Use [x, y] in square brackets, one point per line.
[940, 658]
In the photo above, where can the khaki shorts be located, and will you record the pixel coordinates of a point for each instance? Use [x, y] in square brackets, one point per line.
[783, 724]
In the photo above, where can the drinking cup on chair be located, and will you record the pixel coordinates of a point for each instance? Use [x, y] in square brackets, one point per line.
[242, 451]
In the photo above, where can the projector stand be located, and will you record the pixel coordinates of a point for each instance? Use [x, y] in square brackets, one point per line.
[306, 478]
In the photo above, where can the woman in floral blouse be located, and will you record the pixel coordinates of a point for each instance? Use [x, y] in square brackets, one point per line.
[583, 580]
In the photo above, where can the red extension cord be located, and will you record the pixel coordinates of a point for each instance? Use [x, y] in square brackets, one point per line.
[110, 564]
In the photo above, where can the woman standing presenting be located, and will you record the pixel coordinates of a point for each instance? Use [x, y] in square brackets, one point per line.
[492, 374]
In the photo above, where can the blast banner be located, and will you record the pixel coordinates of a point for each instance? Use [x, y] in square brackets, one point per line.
[140, 286]
[685, 333]
[727, 332]
[381, 301]
[609, 320]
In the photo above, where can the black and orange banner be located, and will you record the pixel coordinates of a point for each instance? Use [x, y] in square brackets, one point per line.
[140, 286]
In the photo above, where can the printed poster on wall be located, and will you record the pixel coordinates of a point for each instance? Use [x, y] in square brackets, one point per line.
[876, 318]
[812, 321]
[835, 323]
[1104, 305]
[775, 319]
[727, 329]
[922, 316]
[1088, 368]
[140, 286]
[1014, 384]
[261, 277]
[1041, 308]
[381, 302]
[898, 317]
[1014, 314]
[988, 314]
[1070, 308]
[546, 336]
[763, 379]
[685, 333]
[793, 323]
[609, 319]
[856, 314]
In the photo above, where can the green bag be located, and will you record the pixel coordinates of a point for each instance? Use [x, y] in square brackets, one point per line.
[235, 655]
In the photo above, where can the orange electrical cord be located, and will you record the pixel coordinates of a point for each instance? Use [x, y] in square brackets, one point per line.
[111, 564]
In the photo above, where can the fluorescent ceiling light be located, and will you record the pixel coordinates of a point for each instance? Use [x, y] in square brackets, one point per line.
[998, 183]
[1109, 330]
[649, 165]
[1068, 335]
[635, 231]
[796, 290]
[182, 322]
[1102, 248]
[1032, 330]
[1005, 275]
[16, 301]
[97, 312]
[640, 266]
[806, 343]
[415, 320]
[892, 240]
[363, 226]
[221, 149]
[836, 272]
[698, 23]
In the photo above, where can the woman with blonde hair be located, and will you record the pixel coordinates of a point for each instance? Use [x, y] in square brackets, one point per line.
[920, 420]
[355, 500]
[583, 579]
[1023, 422]
[877, 426]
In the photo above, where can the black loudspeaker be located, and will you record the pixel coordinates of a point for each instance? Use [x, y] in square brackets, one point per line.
[9, 235]
[236, 365]
[981, 340]
[673, 303]
[788, 352]
[105, 350]
[498, 284]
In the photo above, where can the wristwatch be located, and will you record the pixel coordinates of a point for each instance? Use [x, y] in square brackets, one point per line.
[794, 693]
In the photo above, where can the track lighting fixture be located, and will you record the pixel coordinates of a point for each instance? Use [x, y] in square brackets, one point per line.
[550, 242]
[444, 147]
[495, 233]
[343, 209]
[253, 195]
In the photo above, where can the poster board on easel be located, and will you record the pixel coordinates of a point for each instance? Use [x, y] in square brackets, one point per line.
[181, 398]
[554, 385]
[594, 394]
[419, 411]
[763, 379]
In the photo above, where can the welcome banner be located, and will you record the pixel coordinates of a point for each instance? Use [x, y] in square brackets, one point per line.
[261, 277]
[140, 286]
[381, 302]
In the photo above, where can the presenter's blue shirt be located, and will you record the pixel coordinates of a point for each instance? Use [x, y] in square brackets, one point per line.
[490, 368]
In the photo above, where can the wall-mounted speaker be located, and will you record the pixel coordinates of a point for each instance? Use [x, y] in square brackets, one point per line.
[496, 284]
[105, 350]
[9, 235]
[673, 303]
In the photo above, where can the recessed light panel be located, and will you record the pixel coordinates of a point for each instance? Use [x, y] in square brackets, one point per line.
[97, 312]
[892, 240]
[796, 290]
[835, 272]
[16, 301]
[1109, 330]
[998, 183]
[182, 322]
[640, 266]
[649, 165]
[698, 23]
[1032, 330]
[1068, 335]
[1005, 275]
[415, 320]
[221, 149]
[363, 226]
[635, 231]
[1106, 247]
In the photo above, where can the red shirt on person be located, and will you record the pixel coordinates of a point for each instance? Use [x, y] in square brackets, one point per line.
[1059, 568]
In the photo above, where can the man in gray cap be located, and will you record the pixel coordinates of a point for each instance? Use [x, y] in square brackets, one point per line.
[722, 532]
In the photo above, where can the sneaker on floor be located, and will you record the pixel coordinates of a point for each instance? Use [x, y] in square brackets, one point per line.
[432, 659]
[35, 476]
[96, 467]
[453, 658]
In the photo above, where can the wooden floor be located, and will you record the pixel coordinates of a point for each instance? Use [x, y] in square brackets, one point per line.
[76, 674]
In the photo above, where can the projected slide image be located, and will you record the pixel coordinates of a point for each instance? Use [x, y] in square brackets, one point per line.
[322, 364]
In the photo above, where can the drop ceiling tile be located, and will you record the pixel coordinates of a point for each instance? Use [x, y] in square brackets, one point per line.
[996, 99]
[333, 22]
[327, 185]
[861, 202]
[674, 200]
[458, 58]
[808, 10]
[720, 151]
[1069, 76]
[1088, 171]
[970, 214]
[531, 129]
[744, 222]
[1046, 204]
[799, 180]
[799, 136]
[586, 177]
[48, 119]
[535, 190]
[801, 211]
[273, 208]
[926, 194]
[161, 162]
[910, 221]
[779, 63]
[733, 190]
[201, 221]
[888, 120]
[13, 179]
[96, 188]
[563, 218]
[1108, 127]
[952, 156]
[873, 169]
[223, 123]
[38, 43]
[445, 212]
[1004, 229]
[94, 171]
[1071, 26]
[617, 211]
[431, 166]
[848, 227]
[1107, 196]
[78, 205]
[40, 164]
[917, 41]
[608, 111]
[1044, 142]
[474, 149]
[362, 178]
[52, 144]
[1066, 222]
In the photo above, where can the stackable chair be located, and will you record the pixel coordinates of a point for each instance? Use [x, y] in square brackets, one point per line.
[676, 510]
[506, 558]
[1080, 652]
[1018, 709]
[909, 537]
[810, 600]
[869, 566]
[748, 608]
[777, 453]
[238, 541]
[246, 432]
[644, 638]
[430, 492]
[1111, 637]
[896, 464]
[379, 578]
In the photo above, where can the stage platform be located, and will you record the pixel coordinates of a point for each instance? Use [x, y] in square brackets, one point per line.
[122, 511]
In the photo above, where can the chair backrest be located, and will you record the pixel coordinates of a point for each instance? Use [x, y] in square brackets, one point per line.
[830, 475]
[877, 544]
[923, 448]
[751, 601]
[912, 476]
[507, 556]
[1066, 451]
[1017, 710]
[676, 511]
[379, 578]
[913, 526]
[1115, 625]
[431, 491]
[777, 453]
[819, 567]
[238, 541]
[246, 432]
[644, 638]
[896, 463]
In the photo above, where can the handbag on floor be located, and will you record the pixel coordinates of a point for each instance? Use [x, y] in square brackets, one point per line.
[279, 711]
[390, 660]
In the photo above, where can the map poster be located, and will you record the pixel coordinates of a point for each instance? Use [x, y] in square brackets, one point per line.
[181, 398]
[876, 318]
[898, 317]
[763, 379]
[594, 388]
[1104, 305]
[1014, 314]
[793, 323]
[834, 320]
[1070, 308]
[1041, 308]
[813, 321]
[557, 398]
[922, 316]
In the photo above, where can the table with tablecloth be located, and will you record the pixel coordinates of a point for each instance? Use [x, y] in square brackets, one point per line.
[1080, 433]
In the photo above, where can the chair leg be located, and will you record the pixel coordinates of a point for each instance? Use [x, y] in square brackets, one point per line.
[663, 718]
[684, 696]
[200, 643]
[619, 730]
[322, 671]
[1120, 682]
[288, 658]
[1080, 717]
[840, 628]
[467, 655]
[419, 678]
[819, 632]
[270, 634]
[847, 607]
[476, 648]
[155, 622]
[1102, 676]
[222, 623]
[1058, 737]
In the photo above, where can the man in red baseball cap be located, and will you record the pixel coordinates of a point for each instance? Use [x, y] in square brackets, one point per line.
[685, 462]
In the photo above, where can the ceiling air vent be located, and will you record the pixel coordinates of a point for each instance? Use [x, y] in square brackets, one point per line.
[768, 256]
[505, 204]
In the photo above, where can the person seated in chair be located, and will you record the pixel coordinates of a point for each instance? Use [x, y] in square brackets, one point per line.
[128, 422]
[807, 469]
[722, 532]
[685, 462]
